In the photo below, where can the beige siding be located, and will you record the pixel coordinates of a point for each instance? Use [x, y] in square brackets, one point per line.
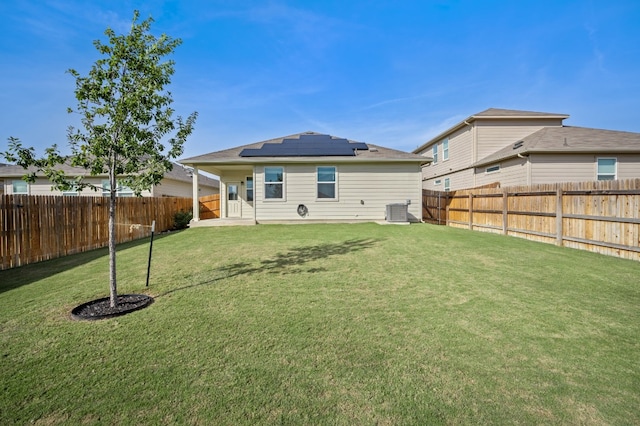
[171, 188]
[460, 180]
[493, 135]
[363, 191]
[552, 168]
[178, 188]
[628, 166]
[512, 172]
[460, 155]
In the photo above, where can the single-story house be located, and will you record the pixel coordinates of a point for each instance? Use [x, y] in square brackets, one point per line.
[314, 177]
[176, 183]
[514, 147]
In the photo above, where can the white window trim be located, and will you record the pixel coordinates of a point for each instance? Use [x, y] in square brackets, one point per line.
[283, 183]
[445, 152]
[20, 193]
[447, 184]
[615, 171]
[497, 168]
[434, 153]
[437, 182]
[335, 183]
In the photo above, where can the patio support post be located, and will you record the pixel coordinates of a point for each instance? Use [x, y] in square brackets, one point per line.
[196, 201]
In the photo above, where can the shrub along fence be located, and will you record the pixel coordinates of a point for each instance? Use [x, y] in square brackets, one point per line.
[37, 228]
[603, 216]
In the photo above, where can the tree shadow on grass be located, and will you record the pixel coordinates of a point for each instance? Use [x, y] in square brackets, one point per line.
[27, 274]
[290, 262]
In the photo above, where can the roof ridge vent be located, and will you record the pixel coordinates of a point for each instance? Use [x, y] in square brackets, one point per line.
[518, 144]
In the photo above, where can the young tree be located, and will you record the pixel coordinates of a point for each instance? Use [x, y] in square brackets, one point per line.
[126, 115]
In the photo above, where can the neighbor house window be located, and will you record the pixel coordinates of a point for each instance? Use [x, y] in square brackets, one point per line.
[437, 182]
[435, 154]
[121, 191]
[20, 187]
[492, 169]
[274, 183]
[72, 192]
[447, 184]
[326, 182]
[250, 189]
[445, 149]
[607, 168]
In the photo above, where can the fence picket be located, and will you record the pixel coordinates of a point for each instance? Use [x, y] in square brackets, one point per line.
[36, 228]
[603, 217]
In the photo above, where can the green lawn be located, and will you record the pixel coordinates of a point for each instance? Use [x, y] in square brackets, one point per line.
[327, 324]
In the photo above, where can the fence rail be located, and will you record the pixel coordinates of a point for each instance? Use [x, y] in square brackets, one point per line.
[37, 228]
[603, 217]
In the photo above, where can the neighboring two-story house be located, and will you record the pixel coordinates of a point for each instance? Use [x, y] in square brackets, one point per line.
[526, 148]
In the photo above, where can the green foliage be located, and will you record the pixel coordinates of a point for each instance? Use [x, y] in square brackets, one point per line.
[126, 115]
[181, 219]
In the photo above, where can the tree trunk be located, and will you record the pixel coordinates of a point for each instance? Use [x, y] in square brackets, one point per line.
[113, 292]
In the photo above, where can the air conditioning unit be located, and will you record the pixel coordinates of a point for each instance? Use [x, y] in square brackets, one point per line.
[397, 212]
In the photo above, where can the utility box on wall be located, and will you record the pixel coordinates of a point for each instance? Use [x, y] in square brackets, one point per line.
[397, 212]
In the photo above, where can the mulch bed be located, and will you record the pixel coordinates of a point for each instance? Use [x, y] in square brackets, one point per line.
[101, 308]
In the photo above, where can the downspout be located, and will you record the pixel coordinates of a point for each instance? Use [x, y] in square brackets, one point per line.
[196, 201]
[255, 196]
[474, 149]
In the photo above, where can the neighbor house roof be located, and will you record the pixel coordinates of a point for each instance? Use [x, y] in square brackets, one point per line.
[179, 173]
[568, 140]
[492, 113]
[361, 152]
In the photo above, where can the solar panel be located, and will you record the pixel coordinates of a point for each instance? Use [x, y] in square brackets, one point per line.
[306, 146]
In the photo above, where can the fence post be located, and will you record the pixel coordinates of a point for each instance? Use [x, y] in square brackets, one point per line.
[471, 212]
[446, 209]
[559, 229]
[505, 212]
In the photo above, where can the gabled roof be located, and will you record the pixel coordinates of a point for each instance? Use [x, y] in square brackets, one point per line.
[359, 152]
[507, 113]
[568, 140]
[491, 114]
[179, 173]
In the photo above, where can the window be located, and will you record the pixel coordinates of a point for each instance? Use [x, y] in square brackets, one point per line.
[20, 187]
[72, 192]
[250, 189]
[326, 182]
[232, 192]
[122, 191]
[492, 169]
[606, 169]
[445, 149]
[274, 183]
[437, 182]
[447, 184]
[435, 154]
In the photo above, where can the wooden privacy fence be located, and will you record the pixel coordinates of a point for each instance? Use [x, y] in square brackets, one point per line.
[37, 228]
[210, 206]
[603, 217]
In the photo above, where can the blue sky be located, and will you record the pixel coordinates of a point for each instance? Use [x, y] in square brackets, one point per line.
[392, 73]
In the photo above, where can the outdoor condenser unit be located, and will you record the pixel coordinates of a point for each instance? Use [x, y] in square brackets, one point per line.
[397, 212]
